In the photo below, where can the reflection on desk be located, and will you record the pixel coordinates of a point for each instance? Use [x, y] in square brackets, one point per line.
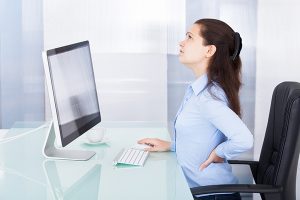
[26, 174]
[73, 180]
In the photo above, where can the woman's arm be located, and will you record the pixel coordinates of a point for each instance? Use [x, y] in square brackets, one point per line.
[239, 138]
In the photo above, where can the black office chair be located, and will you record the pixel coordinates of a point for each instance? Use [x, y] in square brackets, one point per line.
[275, 172]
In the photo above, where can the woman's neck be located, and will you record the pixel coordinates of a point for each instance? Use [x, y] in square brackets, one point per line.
[199, 71]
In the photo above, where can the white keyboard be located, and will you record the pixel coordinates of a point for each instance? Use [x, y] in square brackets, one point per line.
[131, 157]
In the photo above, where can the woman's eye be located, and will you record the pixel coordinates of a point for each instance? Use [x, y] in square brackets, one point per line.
[188, 37]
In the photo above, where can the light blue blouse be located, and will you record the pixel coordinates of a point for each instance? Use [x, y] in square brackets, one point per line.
[204, 123]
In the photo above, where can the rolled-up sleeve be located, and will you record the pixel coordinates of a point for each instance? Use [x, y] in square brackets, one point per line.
[173, 143]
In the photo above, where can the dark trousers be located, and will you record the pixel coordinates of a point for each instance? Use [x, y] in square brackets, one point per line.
[233, 196]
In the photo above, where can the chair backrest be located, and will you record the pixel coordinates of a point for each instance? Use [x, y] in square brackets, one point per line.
[280, 151]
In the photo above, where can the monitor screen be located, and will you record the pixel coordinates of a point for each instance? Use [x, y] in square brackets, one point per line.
[73, 89]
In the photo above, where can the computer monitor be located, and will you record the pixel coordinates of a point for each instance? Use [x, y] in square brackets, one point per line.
[73, 98]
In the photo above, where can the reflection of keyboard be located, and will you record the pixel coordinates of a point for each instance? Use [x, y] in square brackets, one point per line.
[131, 157]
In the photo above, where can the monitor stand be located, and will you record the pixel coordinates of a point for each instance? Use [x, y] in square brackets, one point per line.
[50, 151]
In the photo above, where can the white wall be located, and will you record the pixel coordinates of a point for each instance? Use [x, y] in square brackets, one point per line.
[21, 69]
[129, 46]
[278, 47]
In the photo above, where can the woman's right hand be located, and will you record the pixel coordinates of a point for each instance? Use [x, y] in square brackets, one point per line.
[156, 144]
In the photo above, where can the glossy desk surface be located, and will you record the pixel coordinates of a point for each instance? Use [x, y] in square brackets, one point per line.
[26, 174]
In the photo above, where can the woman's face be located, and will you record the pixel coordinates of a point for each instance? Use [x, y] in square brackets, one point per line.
[192, 51]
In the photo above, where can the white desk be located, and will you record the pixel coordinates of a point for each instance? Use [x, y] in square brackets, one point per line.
[26, 174]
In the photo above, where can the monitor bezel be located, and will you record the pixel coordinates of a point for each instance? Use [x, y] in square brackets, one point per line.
[63, 141]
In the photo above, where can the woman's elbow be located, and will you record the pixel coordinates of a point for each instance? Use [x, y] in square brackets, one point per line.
[248, 141]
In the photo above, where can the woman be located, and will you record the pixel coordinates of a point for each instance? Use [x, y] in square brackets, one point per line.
[208, 128]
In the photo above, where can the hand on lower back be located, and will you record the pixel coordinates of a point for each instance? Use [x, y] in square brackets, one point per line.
[213, 158]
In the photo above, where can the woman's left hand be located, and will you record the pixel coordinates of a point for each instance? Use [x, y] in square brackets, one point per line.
[213, 158]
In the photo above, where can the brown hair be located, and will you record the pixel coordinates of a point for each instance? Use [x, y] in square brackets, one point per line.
[224, 68]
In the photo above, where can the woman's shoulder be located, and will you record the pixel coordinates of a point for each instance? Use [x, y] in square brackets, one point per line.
[213, 92]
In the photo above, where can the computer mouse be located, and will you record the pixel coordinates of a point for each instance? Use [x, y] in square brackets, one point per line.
[141, 146]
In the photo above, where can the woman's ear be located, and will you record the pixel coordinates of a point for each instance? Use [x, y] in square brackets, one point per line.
[211, 51]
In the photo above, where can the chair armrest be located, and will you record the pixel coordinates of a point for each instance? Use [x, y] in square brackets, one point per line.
[253, 165]
[243, 162]
[244, 188]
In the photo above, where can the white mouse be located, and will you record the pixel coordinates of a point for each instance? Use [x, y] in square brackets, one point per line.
[140, 146]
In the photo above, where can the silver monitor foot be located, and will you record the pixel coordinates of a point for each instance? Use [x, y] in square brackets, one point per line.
[50, 151]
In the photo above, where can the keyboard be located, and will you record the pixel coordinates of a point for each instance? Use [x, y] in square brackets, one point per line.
[131, 157]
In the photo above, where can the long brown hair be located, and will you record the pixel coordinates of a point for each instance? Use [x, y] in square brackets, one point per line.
[223, 69]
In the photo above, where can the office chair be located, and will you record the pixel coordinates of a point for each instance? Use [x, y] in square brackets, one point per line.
[275, 172]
